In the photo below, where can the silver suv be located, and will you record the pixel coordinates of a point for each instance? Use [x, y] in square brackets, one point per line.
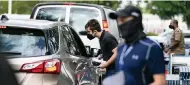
[45, 53]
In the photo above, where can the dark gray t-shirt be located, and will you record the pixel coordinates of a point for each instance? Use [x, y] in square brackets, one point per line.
[107, 43]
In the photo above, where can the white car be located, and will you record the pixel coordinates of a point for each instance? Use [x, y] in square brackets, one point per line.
[77, 15]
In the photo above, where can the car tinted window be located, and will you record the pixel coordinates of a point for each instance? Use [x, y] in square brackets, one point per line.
[80, 16]
[79, 43]
[71, 45]
[26, 42]
[51, 13]
[53, 40]
[112, 24]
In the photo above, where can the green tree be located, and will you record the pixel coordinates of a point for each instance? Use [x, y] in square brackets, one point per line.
[23, 7]
[169, 9]
[151, 34]
[3, 7]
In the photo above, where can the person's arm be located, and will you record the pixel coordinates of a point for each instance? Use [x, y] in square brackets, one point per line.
[159, 79]
[156, 65]
[113, 57]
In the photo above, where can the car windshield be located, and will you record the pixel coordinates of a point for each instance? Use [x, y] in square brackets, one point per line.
[52, 13]
[80, 16]
[26, 42]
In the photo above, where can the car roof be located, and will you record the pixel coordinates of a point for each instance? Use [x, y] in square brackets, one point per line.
[30, 23]
[70, 3]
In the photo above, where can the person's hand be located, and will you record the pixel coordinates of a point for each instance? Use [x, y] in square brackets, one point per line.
[102, 69]
[169, 52]
[103, 65]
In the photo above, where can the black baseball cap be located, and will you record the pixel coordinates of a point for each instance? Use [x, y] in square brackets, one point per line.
[127, 11]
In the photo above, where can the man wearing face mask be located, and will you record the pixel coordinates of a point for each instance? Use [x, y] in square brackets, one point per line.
[140, 60]
[108, 44]
[177, 40]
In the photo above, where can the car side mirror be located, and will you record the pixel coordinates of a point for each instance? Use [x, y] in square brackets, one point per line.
[83, 32]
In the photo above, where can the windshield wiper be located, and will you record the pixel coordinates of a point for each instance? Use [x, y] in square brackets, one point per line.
[10, 53]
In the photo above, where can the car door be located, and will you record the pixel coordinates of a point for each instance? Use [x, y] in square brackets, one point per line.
[74, 60]
[86, 74]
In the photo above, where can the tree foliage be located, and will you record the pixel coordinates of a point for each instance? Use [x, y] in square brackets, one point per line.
[151, 34]
[25, 7]
[169, 9]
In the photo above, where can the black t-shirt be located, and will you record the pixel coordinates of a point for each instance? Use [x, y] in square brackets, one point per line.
[107, 43]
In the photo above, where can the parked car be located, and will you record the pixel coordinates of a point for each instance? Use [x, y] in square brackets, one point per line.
[45, 53]
[77, 15]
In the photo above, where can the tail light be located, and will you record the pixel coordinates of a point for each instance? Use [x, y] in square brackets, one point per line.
[105, 25]
[2, 27]
[46, 66]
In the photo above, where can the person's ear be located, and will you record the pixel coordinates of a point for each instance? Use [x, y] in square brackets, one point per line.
[95, 31]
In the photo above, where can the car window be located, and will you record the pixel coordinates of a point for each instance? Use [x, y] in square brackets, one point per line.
[26, 42]
[80, 16]
[51, 13]
[71, 45]
[53, 40]
[112, 24]
[79, 43]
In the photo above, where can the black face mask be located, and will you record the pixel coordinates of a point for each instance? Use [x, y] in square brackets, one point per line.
[90, 37]
[131, 30]
[170, 26]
